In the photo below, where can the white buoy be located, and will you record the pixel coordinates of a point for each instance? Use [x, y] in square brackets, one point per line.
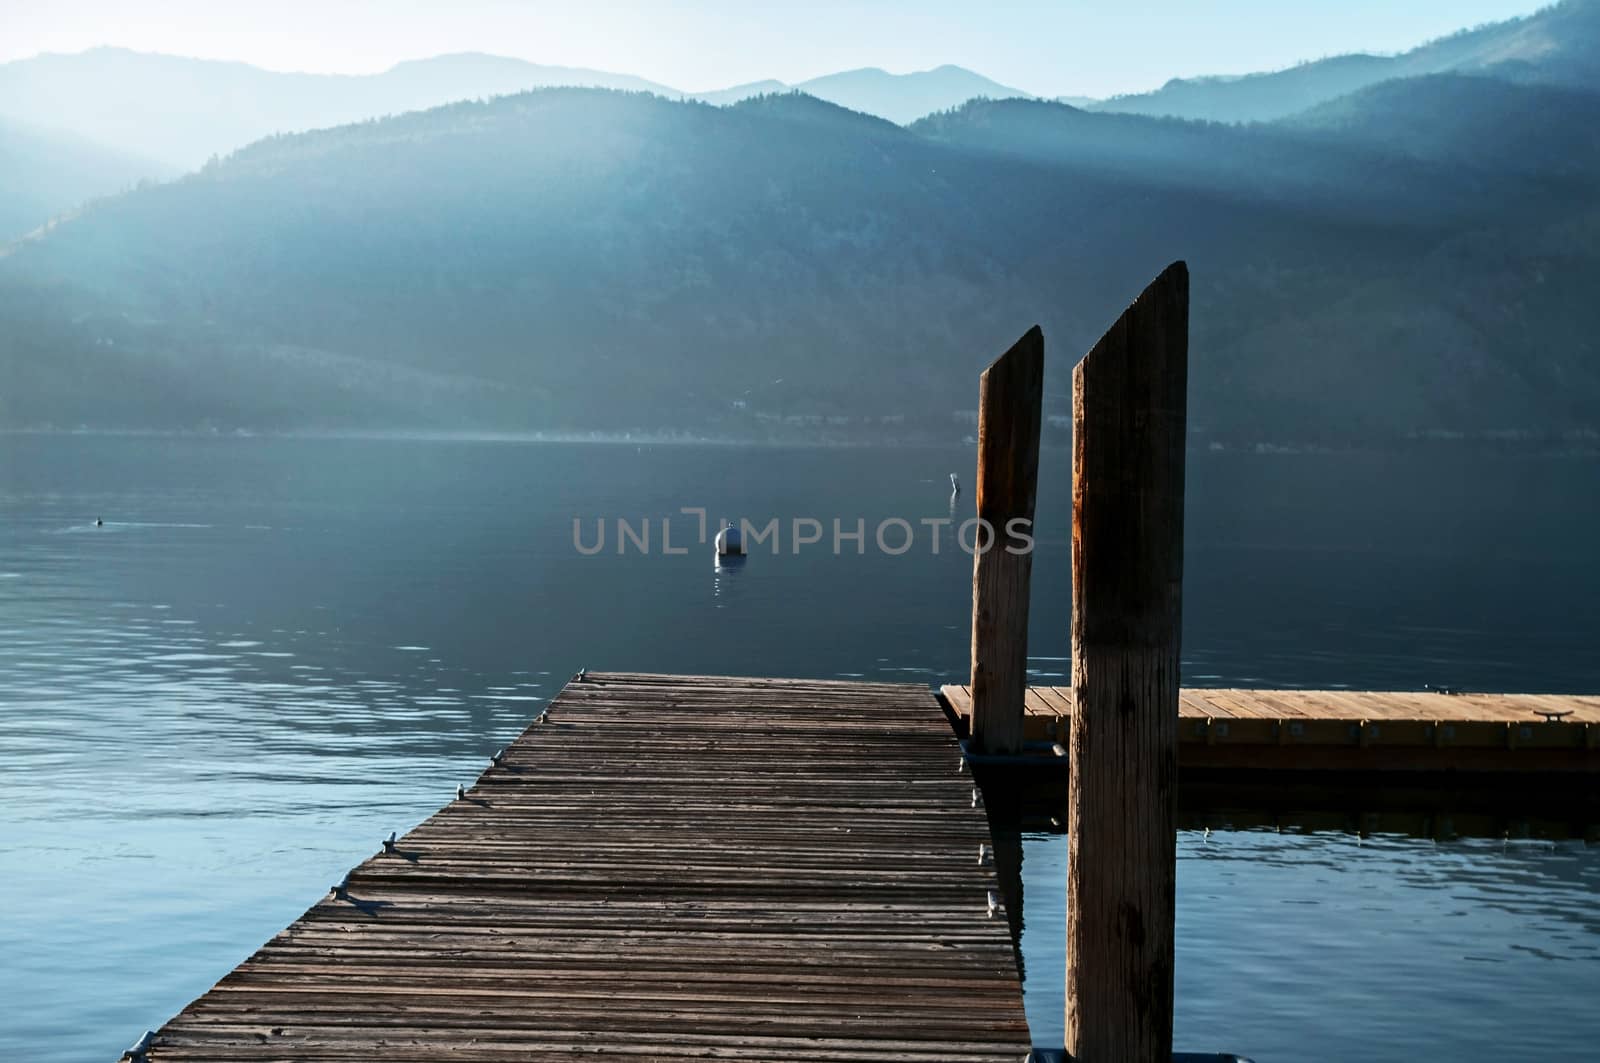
[729, 542]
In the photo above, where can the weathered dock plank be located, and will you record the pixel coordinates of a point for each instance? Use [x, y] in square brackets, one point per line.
[664, 867]
[1356, 730]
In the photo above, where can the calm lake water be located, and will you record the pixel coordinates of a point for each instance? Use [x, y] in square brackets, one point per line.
[276, 651]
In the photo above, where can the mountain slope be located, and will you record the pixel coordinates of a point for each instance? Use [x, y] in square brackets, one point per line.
[904, 98]
[1479, 123]
[1558, 45]
[899, 98]
[570, 259]
[733, 94]
[44, 174]
[1342, 175]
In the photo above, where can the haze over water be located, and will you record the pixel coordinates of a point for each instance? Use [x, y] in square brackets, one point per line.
[275, 651]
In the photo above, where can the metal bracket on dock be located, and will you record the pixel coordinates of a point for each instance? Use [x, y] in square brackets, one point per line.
[136, 1051]
[1033, 753]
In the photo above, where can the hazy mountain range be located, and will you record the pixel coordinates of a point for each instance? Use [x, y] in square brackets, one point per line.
[166, 114]
[206, 108]
[1416, 256]
[1552, 46]
[209, 107]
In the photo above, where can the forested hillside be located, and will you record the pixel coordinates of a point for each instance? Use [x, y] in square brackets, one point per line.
[583, 259]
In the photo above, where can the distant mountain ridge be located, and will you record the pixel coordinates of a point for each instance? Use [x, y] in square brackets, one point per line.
[903, 98]
[1556, 45]
[176, 113]
[578, 260]
[184, 111]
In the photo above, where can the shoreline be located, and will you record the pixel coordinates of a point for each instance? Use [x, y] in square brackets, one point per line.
[1507, 443]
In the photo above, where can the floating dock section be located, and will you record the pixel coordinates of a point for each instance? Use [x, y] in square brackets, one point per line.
[1354, 731]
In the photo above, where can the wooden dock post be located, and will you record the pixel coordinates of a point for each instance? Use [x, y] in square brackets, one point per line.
[1010, 395]
[1129, 401]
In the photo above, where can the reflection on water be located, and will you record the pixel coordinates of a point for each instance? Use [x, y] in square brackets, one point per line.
[176, 788]
[1333, 946]
[275, 652]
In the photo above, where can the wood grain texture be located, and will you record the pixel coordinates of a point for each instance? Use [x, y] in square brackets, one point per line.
[1010, 398]
[665, 868]
[1129, 426]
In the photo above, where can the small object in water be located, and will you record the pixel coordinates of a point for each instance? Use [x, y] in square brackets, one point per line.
[388, 843]
[99, 523]
[955, 485]
[461, 792]
[994, 902]
[730, 541]
[136, 1051]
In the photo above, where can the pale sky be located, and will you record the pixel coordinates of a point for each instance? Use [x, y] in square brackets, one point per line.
[1066, 47]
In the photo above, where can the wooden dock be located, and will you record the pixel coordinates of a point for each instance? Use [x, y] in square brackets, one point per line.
[1346, 730]
[663, 867]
